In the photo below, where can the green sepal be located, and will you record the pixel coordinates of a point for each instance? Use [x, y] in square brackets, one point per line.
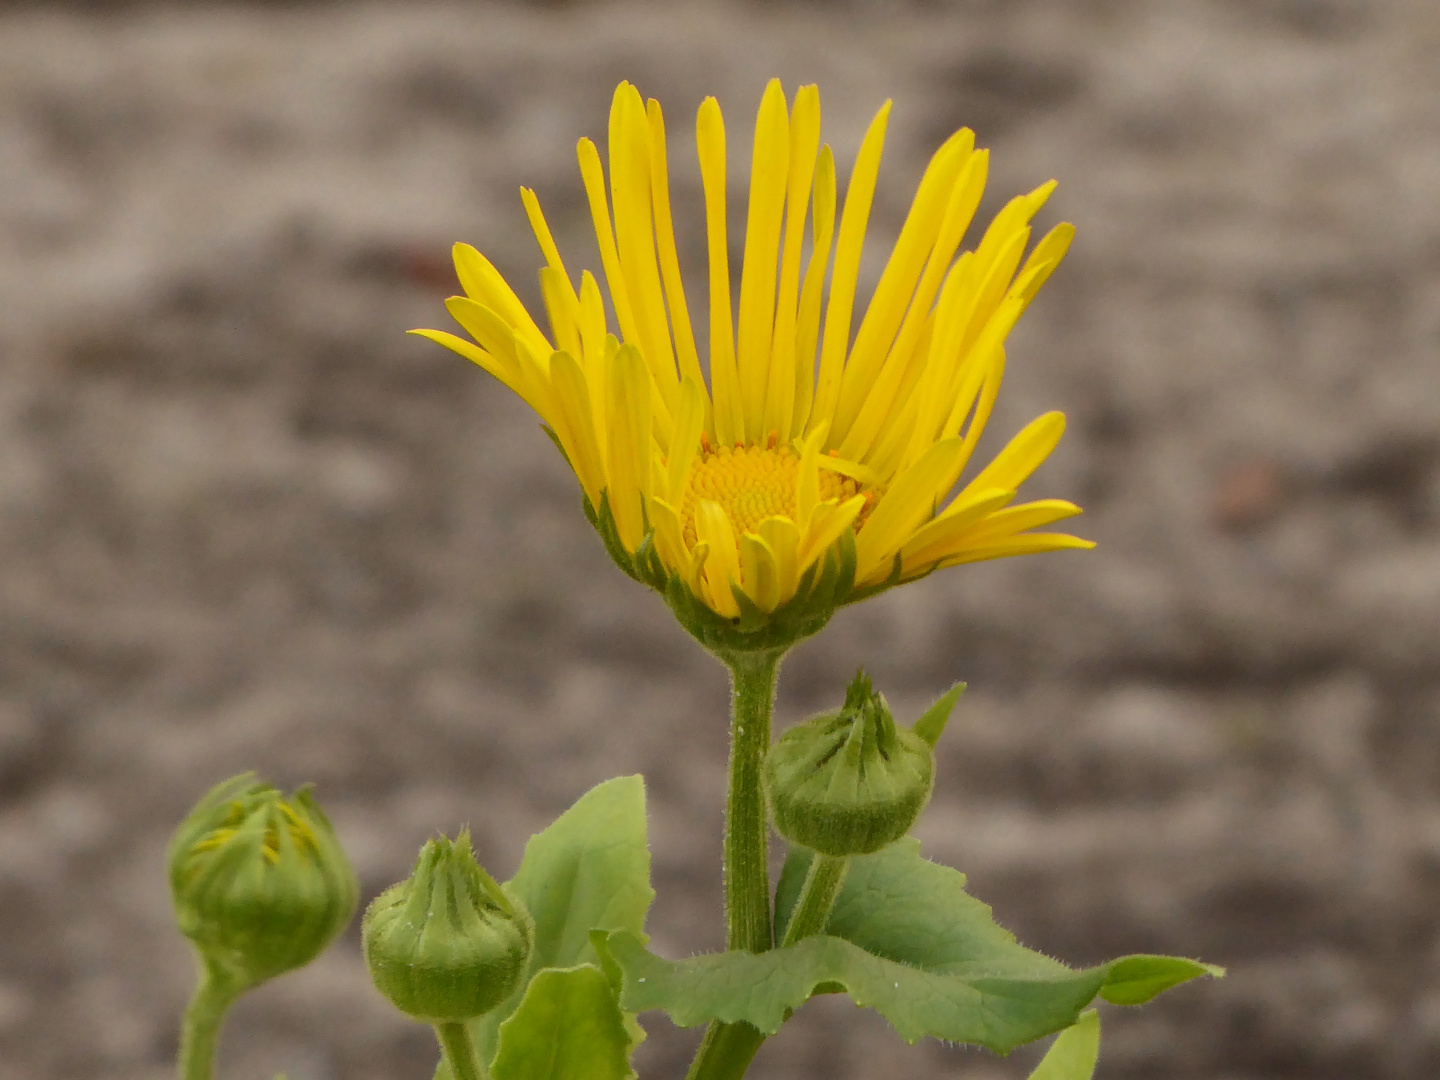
[447, 944]
[821, 589]
[602, 519]
[931, 724]
[1073, 1054]
[895, 577]
[824, 586]
[905, 939]
[590, 869]
[849, 782]
[568, 1026]
[555, 439]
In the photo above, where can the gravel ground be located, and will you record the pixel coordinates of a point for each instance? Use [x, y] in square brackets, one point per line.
[247, 523]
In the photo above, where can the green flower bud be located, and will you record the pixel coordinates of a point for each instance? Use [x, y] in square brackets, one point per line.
[260, 883]
[447, 944]
[850, 782]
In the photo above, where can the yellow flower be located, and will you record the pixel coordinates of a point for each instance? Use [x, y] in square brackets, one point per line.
[813, 468]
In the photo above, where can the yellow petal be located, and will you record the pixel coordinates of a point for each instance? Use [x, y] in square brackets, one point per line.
[563, 307]
[693, 571]
[486, 326]
[987, 368]
[1023, 454]
[906, 505]
[1043, 261]
[1013, 215]
[999, 254]
[759, 574]
[483, 283]
[853, 219]
[911, 354]
[722, 566]
[853, 469]
[807, 480]
[1025, 544]
[593, 177]
[669, 539]
[1007, 523]
[770, 163]
[628, 411]
[896, 429]
[635, 236]
[937, 539]
[592, 319]
[594, 351]
[807, 321]
[724, 382]
[828, 524]
[685, 445]
[502, 369]
[542, 235]
[499, 339]
[879, 412]
[576, 427]
[993, 370]
[897, 283]
[687, 355]
[804, 145]
[783, 537]
[937, 391]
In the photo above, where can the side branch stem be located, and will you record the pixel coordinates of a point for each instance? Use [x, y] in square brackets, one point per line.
[817, 897]
[459, 1052]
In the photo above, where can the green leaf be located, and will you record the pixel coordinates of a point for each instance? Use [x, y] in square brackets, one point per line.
[931, 724]
[589, 870]
[568, 1027]
[900, 906]
[1073, 1054]
[906, 939]
[761, 989]
[1136, 979]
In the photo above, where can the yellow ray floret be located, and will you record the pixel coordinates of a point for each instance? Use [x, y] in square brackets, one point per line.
[807, 439]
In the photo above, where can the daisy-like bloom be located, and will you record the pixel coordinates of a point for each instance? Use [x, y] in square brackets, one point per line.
[814, 465]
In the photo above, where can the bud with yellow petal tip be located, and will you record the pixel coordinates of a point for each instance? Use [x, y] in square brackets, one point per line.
[447, 944]
[849, 782]
[260, 883]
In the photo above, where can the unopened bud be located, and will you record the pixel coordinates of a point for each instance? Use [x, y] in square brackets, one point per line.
[447, 944]
[849, 782]
[260, 883]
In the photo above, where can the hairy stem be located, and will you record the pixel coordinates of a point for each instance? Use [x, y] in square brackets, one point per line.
[725, 1052]
[727, 1049]
[459, 1052]
[200, 1033]
[817, 897]
[747, 874]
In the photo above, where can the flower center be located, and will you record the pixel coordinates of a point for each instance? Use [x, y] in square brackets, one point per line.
[752, 483]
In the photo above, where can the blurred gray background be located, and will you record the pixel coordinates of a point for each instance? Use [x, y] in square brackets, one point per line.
[246, 522]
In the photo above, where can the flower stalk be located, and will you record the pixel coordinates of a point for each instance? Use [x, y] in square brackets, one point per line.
[747, 875]
[727, 1049]
[817, 897]
[459, 1051]
[200, 1031]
